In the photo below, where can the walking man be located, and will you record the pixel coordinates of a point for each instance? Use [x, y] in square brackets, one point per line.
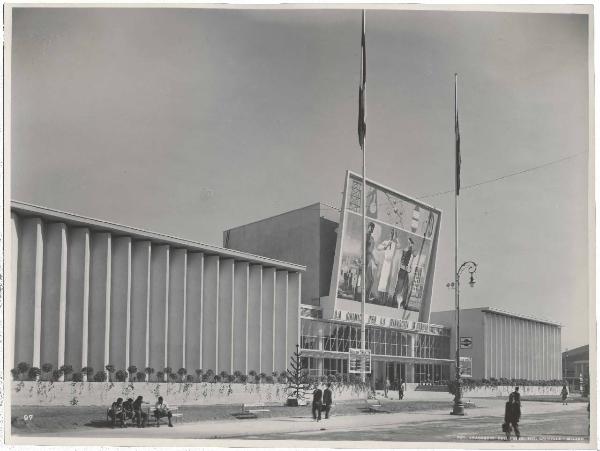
[317, 403]
[401, 389]
[512, 415]
[327, 400]
[564, 393]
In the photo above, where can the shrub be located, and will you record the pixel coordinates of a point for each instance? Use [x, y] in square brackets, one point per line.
[160, 376]
[172, 377]
[243, 379]
[110, 369]
[257, 378]
[182, 372]
[15, 373]
[77, 377]
[33, 373]
[140, 376]
[100, 376]
[231, 378]
[132, 370]
[189, 378]
[199, 374]
[121, 376]
[22, 368]
[269, 379]
[168, 370]
[66, 370]
[252, 373]
[56, 374]
[88, 371]
[47, 368]
[224, 375]
[217, 378]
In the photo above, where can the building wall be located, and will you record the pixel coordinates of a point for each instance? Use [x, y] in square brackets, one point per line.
[507, 346]
[306, 236]
[88, 293]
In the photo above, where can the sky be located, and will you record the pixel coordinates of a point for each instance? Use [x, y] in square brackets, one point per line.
[192, 121]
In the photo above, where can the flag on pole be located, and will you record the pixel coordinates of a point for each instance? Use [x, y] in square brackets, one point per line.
[362, 111]
[457, 134]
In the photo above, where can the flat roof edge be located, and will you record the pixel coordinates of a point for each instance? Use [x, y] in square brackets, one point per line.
[83, 221]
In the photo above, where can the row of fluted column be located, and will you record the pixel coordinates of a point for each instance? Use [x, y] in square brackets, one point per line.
[88, 297]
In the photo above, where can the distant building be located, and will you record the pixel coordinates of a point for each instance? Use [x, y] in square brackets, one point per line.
[506, 345]
[576, 366]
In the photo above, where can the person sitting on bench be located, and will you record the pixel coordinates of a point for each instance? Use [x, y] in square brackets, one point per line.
[138, 412]
[116, 411]
[128, 410]
[162, 410]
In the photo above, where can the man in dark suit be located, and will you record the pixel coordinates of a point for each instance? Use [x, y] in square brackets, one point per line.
[517, 396]
[327, 400]
[316, 403]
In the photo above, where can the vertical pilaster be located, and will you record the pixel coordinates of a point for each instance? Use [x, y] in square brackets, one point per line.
[120, 313]
[176, 317]
[254, 341]
[14, 272]
[140, 303]
[293, 313]
[99, 301]
[159, 299]
[239, 331]
[268, 302]
[210, 322]
[280, 321]
[53, 295]
[225, 315]
[194, 316]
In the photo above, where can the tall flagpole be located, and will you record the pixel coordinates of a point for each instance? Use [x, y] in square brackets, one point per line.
[458, 408]
[364, 196]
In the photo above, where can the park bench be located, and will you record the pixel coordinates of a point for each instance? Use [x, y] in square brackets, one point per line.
[374, 406]
[249, 411]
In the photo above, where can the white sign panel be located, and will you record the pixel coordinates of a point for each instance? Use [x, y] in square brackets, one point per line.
[359, 361]
[466, 342]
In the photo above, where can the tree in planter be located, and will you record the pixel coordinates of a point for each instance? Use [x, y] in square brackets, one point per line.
[100, 376]
[121, 376]
[33, 373]
[77, 377]
[149, 371]
[66, 370]
[47, 369]
[182, 372]
[132, 370]
[297, 379]
[199, 374]
[22, 368]
[88, 371]
[110, 369]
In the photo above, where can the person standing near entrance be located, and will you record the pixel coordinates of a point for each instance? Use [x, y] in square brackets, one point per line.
[401, 389]
[317, 403]
[327, 400]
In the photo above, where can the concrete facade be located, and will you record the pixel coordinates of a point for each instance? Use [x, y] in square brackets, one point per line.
[507, 345]
[91, 293]
[306, 236]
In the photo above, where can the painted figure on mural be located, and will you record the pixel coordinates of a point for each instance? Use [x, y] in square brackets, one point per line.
[388, 249]
[371, 263]
[402, 284]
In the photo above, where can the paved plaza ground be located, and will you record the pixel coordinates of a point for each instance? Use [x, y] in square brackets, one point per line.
[408, 421]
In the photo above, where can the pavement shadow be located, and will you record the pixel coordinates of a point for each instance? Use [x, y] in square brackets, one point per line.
[98, 424]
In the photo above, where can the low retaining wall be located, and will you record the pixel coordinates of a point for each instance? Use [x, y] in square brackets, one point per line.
[46, 393]
[505, 390]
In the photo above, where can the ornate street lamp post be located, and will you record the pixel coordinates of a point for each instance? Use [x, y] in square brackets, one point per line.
[471, 267]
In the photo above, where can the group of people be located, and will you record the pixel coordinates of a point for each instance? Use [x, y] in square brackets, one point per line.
[124, 411]
[322, 400]
[387, 386]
